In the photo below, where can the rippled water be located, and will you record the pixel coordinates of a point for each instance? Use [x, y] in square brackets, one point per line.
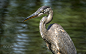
[19, 37]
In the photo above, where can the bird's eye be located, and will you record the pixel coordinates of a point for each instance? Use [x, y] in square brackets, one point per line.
[42, 11]
[38, 12]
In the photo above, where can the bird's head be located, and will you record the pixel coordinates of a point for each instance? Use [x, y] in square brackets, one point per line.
[42, 10]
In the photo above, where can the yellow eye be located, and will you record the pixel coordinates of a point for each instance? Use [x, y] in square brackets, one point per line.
[38, 12]
[42, 11]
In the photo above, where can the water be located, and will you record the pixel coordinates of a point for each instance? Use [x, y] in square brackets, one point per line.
[19, 37]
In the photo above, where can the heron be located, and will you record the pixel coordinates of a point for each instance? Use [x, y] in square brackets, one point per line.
[57, 39]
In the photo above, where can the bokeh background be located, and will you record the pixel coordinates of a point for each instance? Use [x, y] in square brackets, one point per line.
[17, 37]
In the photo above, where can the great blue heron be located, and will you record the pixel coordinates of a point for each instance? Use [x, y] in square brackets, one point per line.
[56, 38]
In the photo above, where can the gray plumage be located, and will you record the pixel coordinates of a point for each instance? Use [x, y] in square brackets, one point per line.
[56, 38]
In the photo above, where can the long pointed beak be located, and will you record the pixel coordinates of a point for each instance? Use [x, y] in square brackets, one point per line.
[30, 17]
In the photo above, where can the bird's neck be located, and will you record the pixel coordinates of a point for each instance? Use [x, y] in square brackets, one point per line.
[42, 28]
[50, 16]
[45, 20]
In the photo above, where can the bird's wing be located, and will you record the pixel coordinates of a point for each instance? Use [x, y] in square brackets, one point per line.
[64, 42]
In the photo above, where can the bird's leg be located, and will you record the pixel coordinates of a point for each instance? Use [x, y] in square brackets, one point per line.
[47, 45]
[58, 53]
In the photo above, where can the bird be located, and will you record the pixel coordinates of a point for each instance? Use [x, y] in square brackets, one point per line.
[57, 39]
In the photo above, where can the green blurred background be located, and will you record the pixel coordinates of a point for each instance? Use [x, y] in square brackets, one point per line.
[17, 37]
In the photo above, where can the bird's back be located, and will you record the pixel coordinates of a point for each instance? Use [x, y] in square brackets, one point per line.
[60, 40]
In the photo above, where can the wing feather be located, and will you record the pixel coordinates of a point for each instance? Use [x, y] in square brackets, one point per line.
[64, 42]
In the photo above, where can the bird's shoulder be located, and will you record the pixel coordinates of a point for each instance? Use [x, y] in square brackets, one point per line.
[55, 26]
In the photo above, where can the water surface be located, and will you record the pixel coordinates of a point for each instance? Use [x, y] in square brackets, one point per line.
[19, 37]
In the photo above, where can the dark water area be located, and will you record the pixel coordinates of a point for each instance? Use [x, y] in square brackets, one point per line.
[17, 37]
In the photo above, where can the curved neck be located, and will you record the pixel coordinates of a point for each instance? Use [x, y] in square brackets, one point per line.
[50, 16]
[45, 20]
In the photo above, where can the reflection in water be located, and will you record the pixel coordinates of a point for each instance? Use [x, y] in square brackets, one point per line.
[46, 2]
[24, 38]
[21, 41]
